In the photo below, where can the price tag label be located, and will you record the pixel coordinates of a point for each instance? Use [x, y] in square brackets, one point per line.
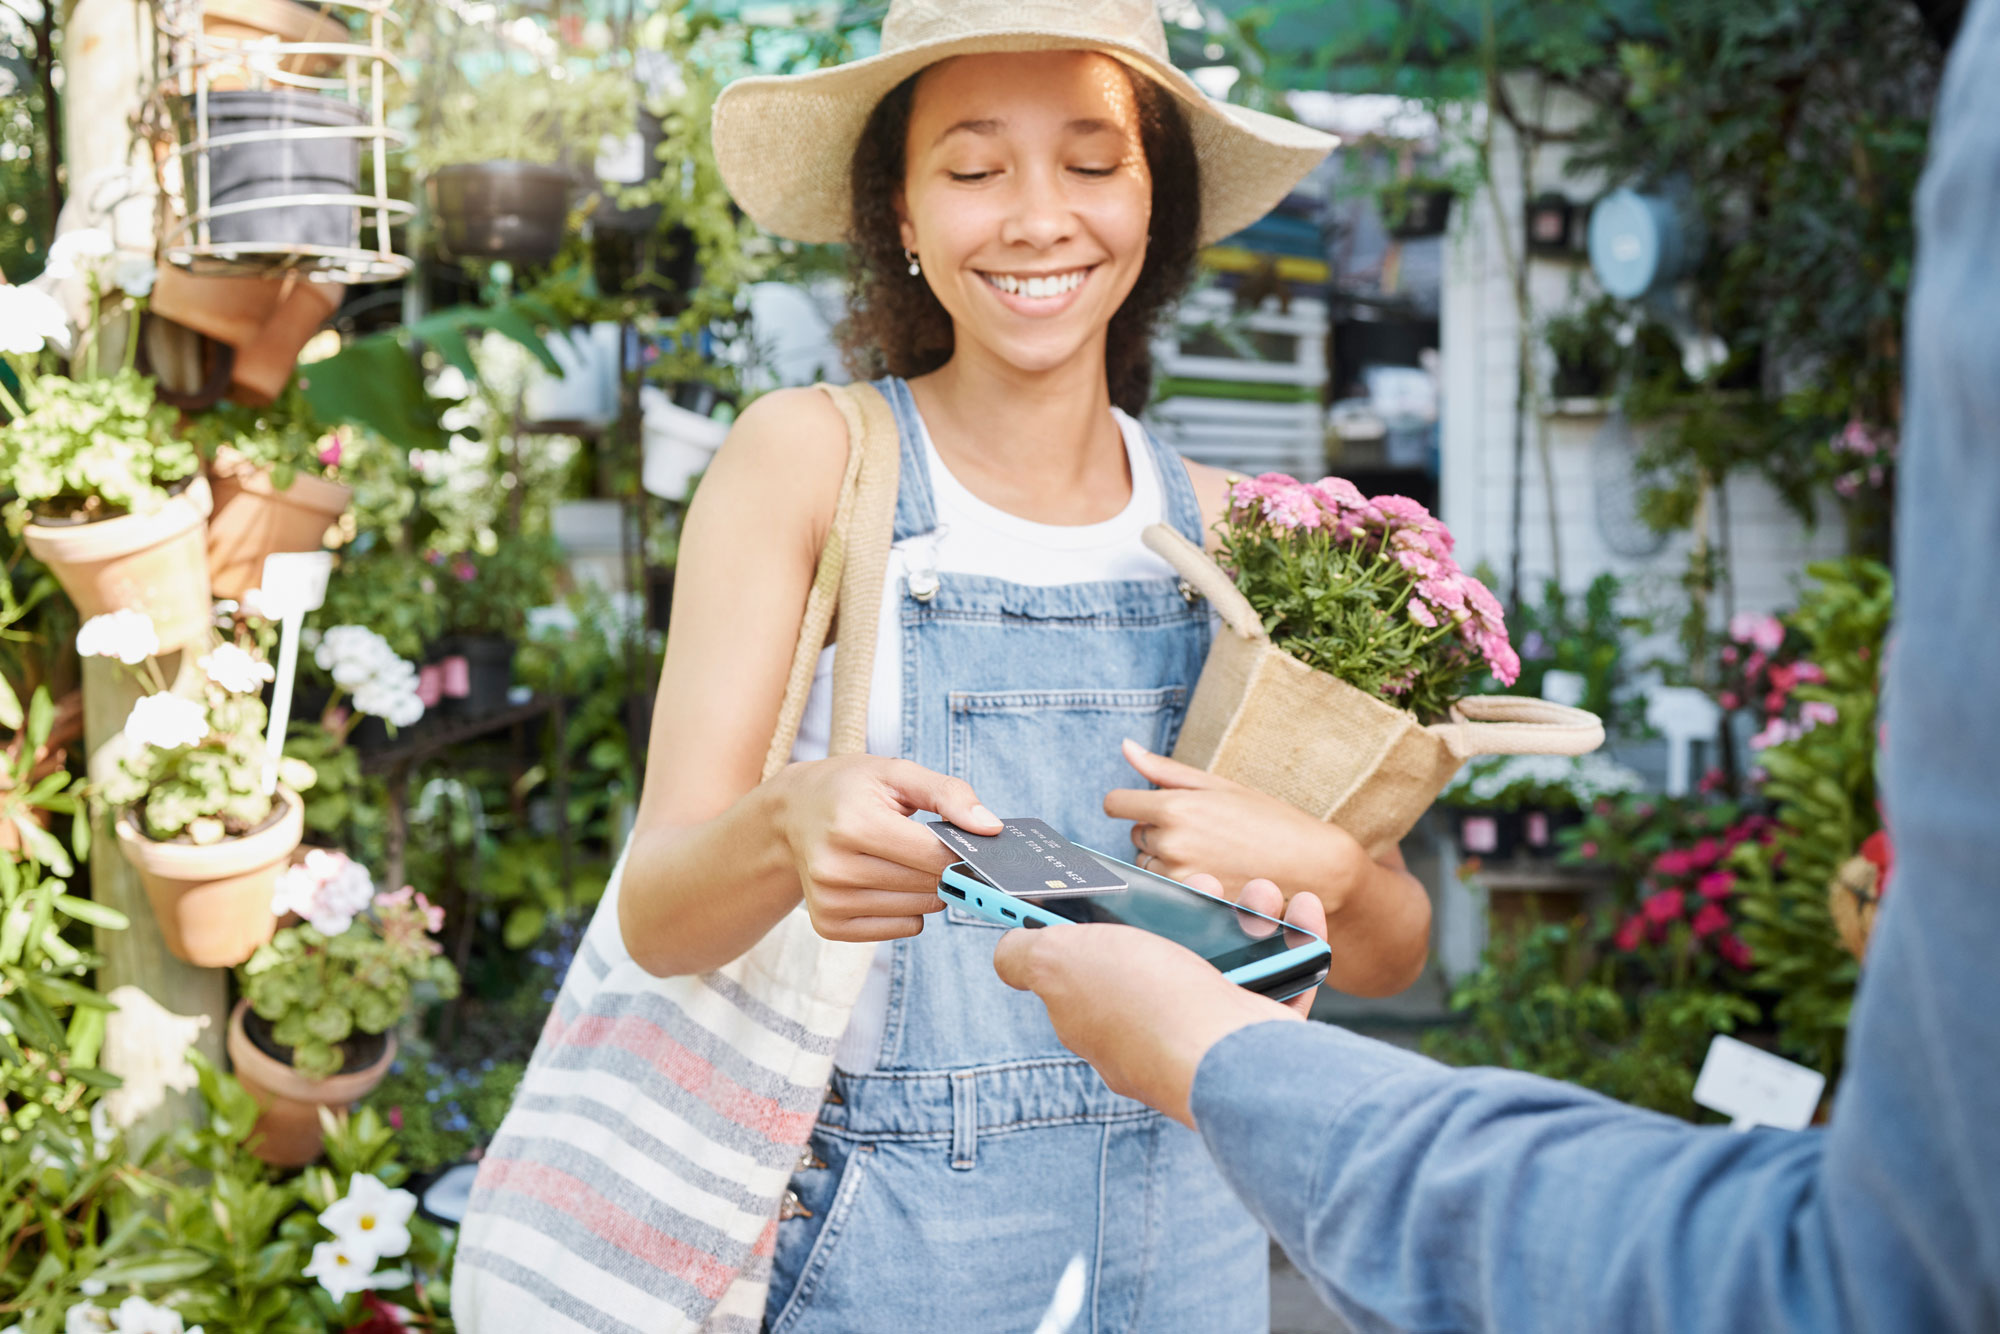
[1752, 1087]
[294, 583]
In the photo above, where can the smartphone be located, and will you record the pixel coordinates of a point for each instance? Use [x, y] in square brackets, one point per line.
[1258, 953]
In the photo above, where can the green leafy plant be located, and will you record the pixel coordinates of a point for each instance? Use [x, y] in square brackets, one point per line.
[490, 594]
[93, 448]
[35, 785]
[317, 989]
[1584, 634]
[441, 1114]
[514, 116]
[1583, 341]
[411, 621]
[285, 437]
[1548, 1002]
[1822, 786]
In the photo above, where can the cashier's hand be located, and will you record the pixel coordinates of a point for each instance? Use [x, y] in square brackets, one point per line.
[1140, 1008]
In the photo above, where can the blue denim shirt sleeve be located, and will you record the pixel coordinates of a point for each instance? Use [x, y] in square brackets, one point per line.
[1417, 1197]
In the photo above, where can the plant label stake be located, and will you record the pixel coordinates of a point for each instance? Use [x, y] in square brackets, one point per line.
[1752, 1087]
[294, 584]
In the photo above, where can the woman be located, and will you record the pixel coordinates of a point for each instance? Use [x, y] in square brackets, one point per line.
[1024, 206]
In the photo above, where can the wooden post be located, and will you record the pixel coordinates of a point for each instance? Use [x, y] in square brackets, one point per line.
[137, 956]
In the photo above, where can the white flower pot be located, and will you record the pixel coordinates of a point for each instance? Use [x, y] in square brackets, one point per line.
[587, 389]
[679, 445]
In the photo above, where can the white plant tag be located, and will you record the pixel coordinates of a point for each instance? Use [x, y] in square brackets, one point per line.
[294, 584]
[621, 159]
[1752, 1087]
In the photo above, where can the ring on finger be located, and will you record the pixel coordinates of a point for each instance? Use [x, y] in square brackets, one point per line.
[1145, 861]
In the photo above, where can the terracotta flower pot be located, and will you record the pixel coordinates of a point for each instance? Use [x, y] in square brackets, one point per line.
[266, 319]
[254, 517]
[214, 903]
[289, 1125]
[234, 27]
[155, 563]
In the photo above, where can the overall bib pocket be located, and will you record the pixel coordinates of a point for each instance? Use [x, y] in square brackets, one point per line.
[1055, 753]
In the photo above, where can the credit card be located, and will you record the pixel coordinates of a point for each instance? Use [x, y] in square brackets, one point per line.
[1029, 860]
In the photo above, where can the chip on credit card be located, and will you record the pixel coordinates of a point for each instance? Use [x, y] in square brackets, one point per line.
[1029, 860]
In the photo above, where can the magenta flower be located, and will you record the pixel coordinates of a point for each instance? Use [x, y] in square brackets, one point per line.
[1710, 920]
[1817, 712]
[1674, 862]
[1715, 885]
[1766, 632]
[1664, 907]
[1630, 932]
[329, 454]
[1733, 951]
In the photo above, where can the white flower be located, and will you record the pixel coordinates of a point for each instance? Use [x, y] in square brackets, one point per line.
[125, 634]
[166, 721]
[341, 1271]
[329, 889]
[85, 243]
[371, 1219]
[133, 275]
[136, 1315]
[30, 317]
[237, 670]
[84, 1318]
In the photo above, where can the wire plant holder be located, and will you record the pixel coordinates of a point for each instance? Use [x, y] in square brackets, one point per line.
[318, 94]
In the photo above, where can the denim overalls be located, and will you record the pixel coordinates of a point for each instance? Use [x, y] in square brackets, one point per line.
[950, 1189]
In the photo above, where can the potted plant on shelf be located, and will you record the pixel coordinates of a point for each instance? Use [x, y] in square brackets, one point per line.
[195, 815]
[488, 598]
[1584, 344]
[272, 474]
[107, 495]
[313, 1029]
[494, 160]
[1509, 804]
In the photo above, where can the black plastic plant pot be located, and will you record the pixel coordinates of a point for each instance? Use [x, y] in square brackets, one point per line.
[276, 168]
[632, 221]
[500, 210]
[489, 662]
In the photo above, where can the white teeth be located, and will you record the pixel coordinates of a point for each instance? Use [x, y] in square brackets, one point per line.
[1038, 287]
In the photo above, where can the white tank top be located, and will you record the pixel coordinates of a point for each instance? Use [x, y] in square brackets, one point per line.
[973, 537]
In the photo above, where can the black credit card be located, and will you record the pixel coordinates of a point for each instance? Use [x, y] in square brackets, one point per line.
[1029, 860]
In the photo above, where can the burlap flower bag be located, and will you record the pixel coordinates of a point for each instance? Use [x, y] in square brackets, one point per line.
[1262, 718]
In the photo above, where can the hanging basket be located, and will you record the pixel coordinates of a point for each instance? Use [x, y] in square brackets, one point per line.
[1262, 718]
[283, 142]
[155, 563]
[500, 210]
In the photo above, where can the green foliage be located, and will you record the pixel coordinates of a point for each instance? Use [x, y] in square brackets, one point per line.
[524, 882]
[1583, 341]
[34, 787]
[411, 620]
[1547, 1003]
[1585, 635]
[95, 447]
[286, 437]
[491, 594]
[317, 992]
[441, 1114]
[592, 669]
[1823, 788]
[532, 116]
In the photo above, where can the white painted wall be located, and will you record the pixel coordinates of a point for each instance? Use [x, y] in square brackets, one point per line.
[1479, 323]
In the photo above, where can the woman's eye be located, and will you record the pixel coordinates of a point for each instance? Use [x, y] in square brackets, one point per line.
[967, 177]
[1093, 171]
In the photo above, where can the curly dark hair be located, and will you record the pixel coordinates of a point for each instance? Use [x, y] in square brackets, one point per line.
[895, 325]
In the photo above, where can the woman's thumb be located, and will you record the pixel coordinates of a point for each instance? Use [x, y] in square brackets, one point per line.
[953, 798]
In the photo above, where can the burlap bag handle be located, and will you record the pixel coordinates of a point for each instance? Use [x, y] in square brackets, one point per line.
[848, 578]
[1207, 578]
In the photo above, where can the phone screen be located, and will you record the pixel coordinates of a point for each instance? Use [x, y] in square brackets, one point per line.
[1219, 933]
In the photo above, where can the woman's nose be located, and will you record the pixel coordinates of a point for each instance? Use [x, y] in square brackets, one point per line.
[1041, 216]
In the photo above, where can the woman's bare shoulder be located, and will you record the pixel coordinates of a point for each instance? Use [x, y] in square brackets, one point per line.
[782, 461]
[1211, 489]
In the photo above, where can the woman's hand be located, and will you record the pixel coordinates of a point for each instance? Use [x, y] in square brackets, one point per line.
[1197, 822]
[866, 870]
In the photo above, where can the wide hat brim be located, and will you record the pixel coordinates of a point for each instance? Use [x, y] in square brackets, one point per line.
[785, 143]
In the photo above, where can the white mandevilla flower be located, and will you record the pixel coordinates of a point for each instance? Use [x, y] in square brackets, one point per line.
[84, 243]
[166, 721]
[30, 317]
[341, 1271]
[371, 1218]
[125, 634]
[136, 1315]
[237, 670]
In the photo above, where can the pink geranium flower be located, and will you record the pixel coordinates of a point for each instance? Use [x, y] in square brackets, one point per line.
[1630, 932]
[1716, 885]
[1665, 906]
[1733, 951]
[1710, 920]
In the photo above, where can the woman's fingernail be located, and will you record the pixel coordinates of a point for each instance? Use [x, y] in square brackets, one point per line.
[984, 816]
[1130, 744]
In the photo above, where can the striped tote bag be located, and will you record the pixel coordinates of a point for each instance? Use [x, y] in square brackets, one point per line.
[634, 1185]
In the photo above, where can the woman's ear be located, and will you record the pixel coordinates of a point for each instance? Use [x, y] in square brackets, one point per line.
[904, 228]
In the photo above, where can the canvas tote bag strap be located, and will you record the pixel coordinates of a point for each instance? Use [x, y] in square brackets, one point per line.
[1207, 578]
[849, 576]
[1518, 725]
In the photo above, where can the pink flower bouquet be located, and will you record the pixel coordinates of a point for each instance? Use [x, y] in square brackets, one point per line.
[1353, 639]
[1365, 590]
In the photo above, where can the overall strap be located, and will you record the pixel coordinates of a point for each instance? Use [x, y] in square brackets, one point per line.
[1180, 508]
[916, 512]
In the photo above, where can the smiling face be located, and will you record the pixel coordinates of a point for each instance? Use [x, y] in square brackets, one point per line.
[1027, 198]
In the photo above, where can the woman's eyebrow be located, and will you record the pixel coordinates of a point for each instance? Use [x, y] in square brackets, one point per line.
[990, 126]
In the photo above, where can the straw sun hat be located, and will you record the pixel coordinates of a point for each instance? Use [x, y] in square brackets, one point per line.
[785, 143]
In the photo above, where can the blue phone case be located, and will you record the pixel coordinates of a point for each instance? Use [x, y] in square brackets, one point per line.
[1280, 977]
